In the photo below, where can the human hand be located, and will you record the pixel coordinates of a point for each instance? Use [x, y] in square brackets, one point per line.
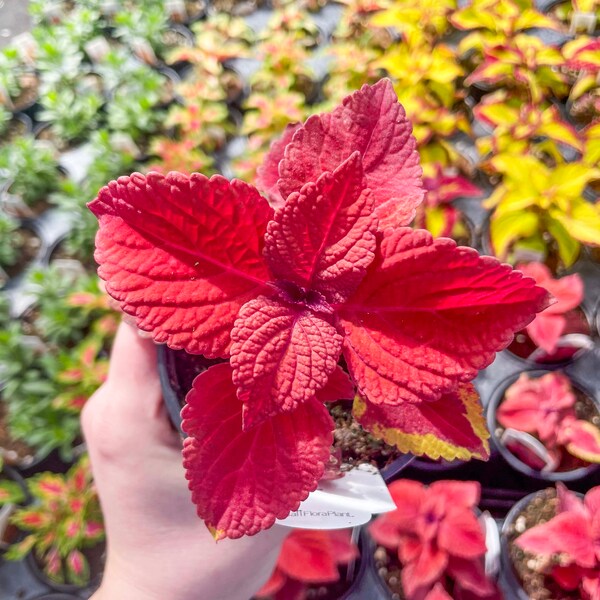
[158, 548]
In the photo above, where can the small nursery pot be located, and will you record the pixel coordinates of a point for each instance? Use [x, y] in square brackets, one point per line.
[368, 583]
[9, 533]
[509, 579]
[516, 463]
[19, 125]
[95, 555]
[377, 589]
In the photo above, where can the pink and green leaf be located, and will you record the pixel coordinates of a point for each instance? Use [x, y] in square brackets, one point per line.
[78, 570]
[21, 549]
[11, 492]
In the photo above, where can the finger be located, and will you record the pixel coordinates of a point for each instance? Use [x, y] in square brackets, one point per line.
[133, 361]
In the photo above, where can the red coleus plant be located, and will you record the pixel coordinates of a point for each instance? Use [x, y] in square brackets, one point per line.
[208, 266]
[545, 407]
[548, 326]
[308, 557]
[570, 542]
[439, 540]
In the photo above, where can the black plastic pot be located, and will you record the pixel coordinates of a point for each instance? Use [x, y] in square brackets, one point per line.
[96, 553]
[373, 587]
[367, 584]
[583, 474]
[509, 582]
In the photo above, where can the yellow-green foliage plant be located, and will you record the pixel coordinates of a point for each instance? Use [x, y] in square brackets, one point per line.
[494, 22]
[539, 208]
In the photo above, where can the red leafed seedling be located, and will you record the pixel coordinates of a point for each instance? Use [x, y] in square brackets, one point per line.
[569, 543]
[207, 265]
[546, 408]
[438, 539]
[308, 557]
[560, 318]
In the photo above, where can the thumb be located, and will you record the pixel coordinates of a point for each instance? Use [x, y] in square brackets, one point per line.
[130, 401]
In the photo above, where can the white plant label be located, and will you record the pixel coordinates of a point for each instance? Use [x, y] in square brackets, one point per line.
[345, 502]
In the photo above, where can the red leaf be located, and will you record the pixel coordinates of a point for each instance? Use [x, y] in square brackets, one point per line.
[566, 533]
[338, 387]
[430, 314]
[569, 501]
[548, 326]
[373, 122]
[545, 331]
[591, 585]
[469, 574]
[242, 481]
[457, 493]
[568, 290]
[308, 556]
[452, 427]
[182, 254]
[460, 534]
[385, 532]
[292, 590]
[280, 356]
[267, 174]
[592, 500]
[568, 577]
[438, 593]
[409, 497]
[323, 239]
[273, 585]
[422, 572]
[442, 188]
[390, 528]
[343, 548]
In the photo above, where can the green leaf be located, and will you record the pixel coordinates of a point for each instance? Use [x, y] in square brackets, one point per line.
[568, 247]
[507, 228]
[582, 222]
[20, 550]
[11, 492]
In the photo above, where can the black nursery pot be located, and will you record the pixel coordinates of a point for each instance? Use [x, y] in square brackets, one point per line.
[11, 533]
[497, 396]
[508, 579]
[367, 584]
[510, 582]
[95, 556]
[177, 370]
[372, 584]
